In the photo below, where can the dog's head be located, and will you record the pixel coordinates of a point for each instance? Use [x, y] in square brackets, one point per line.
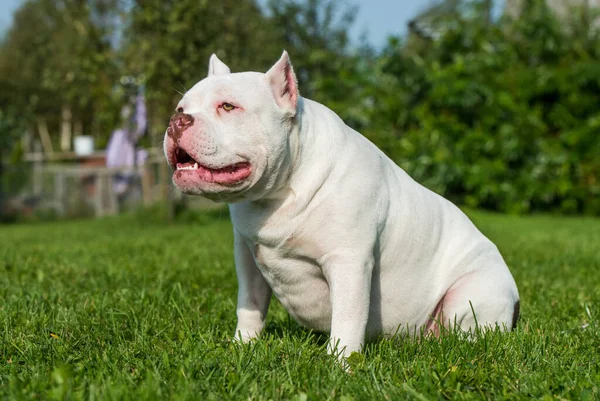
[228, 139]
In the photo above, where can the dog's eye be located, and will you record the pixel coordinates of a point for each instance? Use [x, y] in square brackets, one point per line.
[227, 106]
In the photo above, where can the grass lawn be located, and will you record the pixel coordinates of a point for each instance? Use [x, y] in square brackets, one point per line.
[131, 308]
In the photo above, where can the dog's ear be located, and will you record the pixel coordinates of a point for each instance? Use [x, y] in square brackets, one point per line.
[217, 67]
[283, 83]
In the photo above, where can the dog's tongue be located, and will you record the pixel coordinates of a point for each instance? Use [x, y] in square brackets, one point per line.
[231, 174]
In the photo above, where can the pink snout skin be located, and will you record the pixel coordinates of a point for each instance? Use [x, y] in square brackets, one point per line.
[178, 124]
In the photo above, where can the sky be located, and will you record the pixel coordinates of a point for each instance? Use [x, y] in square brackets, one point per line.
[7, 7]
[377, 18]
[381, 18]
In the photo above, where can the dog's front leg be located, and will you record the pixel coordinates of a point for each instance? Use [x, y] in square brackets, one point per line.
[349, 279]
[254, 294]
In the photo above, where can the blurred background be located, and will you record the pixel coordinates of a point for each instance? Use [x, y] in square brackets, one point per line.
[493, 104]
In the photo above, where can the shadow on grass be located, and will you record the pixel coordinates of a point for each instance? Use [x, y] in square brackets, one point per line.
[291, 329]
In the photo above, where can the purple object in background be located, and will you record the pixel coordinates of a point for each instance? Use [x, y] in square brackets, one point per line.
[121, 150]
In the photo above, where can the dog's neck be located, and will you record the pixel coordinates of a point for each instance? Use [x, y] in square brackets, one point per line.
[308, 138]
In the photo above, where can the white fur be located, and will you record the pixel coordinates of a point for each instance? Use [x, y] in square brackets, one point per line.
[344, 238]
[217, 67]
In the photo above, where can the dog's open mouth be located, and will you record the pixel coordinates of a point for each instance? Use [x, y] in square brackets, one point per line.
[188, 170]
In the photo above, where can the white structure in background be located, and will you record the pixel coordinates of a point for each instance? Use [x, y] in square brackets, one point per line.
[84, 145]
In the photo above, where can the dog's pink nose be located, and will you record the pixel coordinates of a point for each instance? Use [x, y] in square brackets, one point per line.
[179, 122]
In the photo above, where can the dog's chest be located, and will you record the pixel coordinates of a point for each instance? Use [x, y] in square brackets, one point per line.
[297, 281]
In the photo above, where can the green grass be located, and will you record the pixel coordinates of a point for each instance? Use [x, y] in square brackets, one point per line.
[130, 308]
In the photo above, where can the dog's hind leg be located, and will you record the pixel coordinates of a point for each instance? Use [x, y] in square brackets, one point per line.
[485, 298]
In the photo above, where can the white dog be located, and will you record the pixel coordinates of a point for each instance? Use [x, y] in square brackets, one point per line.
[346, 240]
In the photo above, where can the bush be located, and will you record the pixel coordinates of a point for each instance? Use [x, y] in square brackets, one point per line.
[496, 115]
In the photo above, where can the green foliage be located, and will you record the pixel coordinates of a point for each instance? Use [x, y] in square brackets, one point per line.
[120, 309]
[13, 122]
[12, 119]
[74, 53]
[495, 114]
[57, 53]
[315, 33]
[501, 116]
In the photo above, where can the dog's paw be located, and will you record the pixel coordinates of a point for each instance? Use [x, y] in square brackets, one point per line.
[244, 336]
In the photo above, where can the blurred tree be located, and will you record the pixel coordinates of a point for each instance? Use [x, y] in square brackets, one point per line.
[496, 115]
[315, 33]
[13, 119]
[499, 114]
[329, 69]
[58, 56]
